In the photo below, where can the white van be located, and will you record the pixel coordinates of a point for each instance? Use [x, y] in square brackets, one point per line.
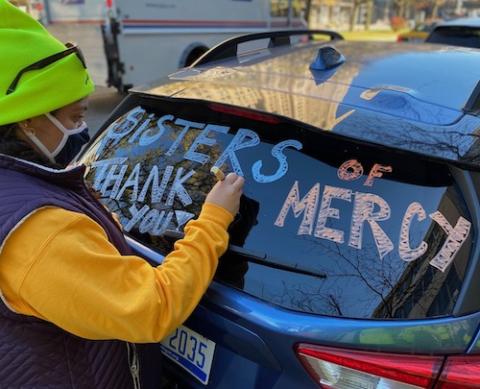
[146, 40]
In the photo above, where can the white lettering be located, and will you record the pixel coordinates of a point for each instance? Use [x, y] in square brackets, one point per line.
[152, 221]
[162, 223]
[102, 168]
[182, 218]
[122, 127]
[157, 191]
[363, 211]
[406, 253]
[148, 221]
[456, 238]
[321, 231]
[132, 181]
[154, 133]
[178, 189]
[308, 205]
[186, 126]
[145, 124]
[243, 138]
[115, 178]
[203, 139]
[277, 152]
[136, 216]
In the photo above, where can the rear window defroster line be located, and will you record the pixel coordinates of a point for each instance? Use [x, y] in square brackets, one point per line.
[251, 256]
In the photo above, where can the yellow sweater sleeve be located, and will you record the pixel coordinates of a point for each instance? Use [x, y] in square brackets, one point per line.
[59, 266]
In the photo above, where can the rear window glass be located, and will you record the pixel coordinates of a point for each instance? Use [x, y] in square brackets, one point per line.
[326, 226]
[456, 36]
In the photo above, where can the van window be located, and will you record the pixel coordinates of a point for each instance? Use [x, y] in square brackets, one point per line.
[326, 226]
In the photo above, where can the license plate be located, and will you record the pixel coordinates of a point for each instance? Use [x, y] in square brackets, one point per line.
[191, 351]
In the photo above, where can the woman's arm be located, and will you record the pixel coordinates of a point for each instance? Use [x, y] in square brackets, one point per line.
[59, 266]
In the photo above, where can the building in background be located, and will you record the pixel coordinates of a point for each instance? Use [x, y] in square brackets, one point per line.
[74, 11]
[64, 11]
[330, 13]
[338, 14]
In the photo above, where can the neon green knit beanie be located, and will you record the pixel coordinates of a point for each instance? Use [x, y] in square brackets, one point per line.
[24, 41]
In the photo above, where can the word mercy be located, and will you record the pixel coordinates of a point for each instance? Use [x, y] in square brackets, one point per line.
[369, 209]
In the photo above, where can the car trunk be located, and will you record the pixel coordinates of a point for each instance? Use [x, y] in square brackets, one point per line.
[333, 234]
[327, 225]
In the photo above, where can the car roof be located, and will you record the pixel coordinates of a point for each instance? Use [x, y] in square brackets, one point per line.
[467, 22]
[381, 82]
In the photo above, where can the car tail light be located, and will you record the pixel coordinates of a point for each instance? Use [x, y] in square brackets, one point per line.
[351, 369]
[460, 372]
[244, 113]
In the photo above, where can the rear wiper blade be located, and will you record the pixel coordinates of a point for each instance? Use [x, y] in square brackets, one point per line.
[251, 256]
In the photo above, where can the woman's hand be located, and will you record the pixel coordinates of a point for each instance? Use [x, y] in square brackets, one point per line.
[226, 193]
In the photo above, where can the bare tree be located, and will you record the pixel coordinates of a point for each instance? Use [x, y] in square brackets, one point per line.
[399, 7]
[435, 5]
[308, 8]
[368, 16]
[357, 4]
[354, 14]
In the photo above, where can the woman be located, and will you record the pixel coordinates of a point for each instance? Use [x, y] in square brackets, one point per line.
[73, 295]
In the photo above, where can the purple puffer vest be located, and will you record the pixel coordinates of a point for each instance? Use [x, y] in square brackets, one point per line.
[35, 353]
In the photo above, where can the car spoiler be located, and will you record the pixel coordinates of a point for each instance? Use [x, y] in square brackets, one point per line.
[229, 48]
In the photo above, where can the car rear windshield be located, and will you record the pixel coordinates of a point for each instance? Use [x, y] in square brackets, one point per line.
[326, 225]
[456, 36]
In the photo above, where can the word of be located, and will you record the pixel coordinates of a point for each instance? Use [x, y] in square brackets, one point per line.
[352, 170]
[369, 209]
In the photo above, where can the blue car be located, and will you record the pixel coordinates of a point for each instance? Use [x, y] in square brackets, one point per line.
[354, 260]
[458, 32]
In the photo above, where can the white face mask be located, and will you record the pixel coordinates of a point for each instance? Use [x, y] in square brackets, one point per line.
[65, 131]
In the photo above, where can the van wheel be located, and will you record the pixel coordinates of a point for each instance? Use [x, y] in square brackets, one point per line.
[195, 54]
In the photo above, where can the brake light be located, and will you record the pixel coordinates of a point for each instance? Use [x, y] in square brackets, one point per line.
[244, 113]
[460, 372]
[351, 369]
